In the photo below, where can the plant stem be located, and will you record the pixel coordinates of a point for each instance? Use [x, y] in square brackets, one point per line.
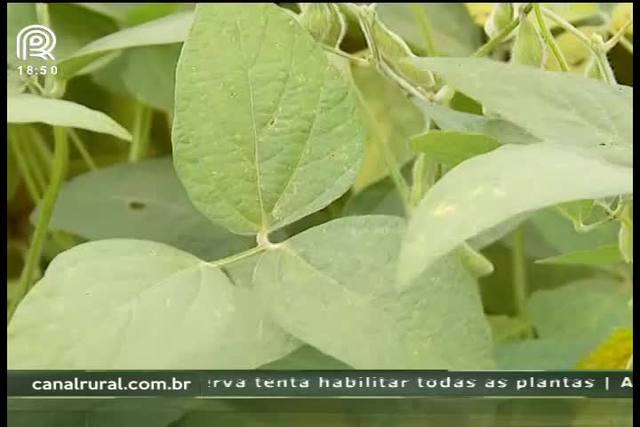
[16, 149]
[520, 288]
[417, 189]
[58, 172]
[567, 26]
[549, 40]
[140, 133]
[237, 257]
[425, 27]
[503, 34]
[360, 61]
[618, 36]
[42, 14]
[84, 153]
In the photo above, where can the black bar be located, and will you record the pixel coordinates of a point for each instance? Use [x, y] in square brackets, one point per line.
[230, 384]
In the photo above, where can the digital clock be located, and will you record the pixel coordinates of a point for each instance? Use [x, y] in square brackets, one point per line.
[42, 70]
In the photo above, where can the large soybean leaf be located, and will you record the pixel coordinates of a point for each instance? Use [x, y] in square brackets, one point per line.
[144, 200]
[570, 322]
[487, 190]
[562, 108]
[344, 302]
[117, 304]
[266, 131]
[27, 108]
[451, 26]
[166, 30]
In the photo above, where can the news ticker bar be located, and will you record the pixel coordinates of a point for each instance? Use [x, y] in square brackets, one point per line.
[266, 384]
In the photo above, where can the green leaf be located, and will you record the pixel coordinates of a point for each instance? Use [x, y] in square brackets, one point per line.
[277, 135]
[563, 108]
[26, 108]
[392, 49]
[501, 130]
[570, 321]
[324, 21]
[389, 119]
[115, 304]
[306, 358]
[528, 47]
[381, 198]
[625, 235]
[453, 30]
[500, 17]
[489, 189]
[548, 233]
[167, 30]
[598, 257]
[311, 289]
[144, 200]
[146, 73]
[451, 148]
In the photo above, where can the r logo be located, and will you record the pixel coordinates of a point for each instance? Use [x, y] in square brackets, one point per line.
[35, 41]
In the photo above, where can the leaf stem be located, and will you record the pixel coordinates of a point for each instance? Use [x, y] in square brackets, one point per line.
[140, 133]
[360, 61]
[237, 257]
[567, 26]
[503, 34]
[425, 27]
[445, 93]
[84, 153]
[618, 36]
[549, 40]
[58, 172]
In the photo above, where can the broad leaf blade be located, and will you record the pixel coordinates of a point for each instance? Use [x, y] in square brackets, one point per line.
[167, 30]
[116, 304]
[490, 189]
[277, 135]
[598, 257]
[451, 148]
[556, 107]
[314, 292]
[142, 200]
[26, 108]
[451, 120]
[570, 322]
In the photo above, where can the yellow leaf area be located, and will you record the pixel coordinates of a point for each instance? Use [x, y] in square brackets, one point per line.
[622, 13]
[574, 50]
[390, 119]
[613, 353]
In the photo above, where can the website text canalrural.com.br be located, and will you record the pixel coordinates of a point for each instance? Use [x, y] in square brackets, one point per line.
[117, 384]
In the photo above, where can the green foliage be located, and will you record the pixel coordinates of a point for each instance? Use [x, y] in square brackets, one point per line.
[291, 141]
[316, 186]
[26, 108]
